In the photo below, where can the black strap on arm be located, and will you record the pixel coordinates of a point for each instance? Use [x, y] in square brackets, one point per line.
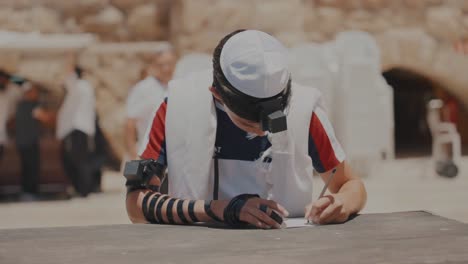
[170, 205]
[216, 177]
[151, 209]
[274, 215]
[210, 212]
[145, 206]
[232, 211]
[159, 208]
[191, 211]
[180, 212]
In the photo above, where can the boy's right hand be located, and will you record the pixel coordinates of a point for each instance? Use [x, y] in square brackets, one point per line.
[252, 214]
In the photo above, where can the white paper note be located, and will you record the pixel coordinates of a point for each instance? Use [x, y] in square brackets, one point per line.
[296, 222]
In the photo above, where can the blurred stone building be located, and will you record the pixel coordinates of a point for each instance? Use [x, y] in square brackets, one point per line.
[415, 38]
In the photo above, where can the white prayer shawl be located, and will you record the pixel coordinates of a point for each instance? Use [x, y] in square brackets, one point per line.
[190, 144]
[78, 111]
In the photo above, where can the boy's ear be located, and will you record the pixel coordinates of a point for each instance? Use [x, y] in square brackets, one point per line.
[215, 93]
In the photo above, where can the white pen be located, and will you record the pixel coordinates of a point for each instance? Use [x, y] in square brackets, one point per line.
[325, 187]
[327, 183]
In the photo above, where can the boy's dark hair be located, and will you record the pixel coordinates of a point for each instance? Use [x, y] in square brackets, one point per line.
[243, 105]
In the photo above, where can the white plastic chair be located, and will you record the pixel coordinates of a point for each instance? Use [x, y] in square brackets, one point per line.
[442, 133]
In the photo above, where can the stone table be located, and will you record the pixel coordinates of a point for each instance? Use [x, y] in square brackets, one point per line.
[407, 237]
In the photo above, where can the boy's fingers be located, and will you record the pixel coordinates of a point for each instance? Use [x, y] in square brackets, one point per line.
[263, 217]
[246, 217]
[319, 205]
[328, 214]
[276, 206]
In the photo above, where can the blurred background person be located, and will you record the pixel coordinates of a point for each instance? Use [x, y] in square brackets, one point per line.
[5, 97]
[10, 93]
[76, 128]
[146, 96]
[28, 118]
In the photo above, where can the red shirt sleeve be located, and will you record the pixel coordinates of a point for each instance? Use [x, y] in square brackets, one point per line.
[324, 149]
[154, 144]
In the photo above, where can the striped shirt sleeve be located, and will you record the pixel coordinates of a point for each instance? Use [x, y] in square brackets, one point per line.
[154, 144]
[324, 149]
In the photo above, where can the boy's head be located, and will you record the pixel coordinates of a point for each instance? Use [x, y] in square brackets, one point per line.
[251, 78]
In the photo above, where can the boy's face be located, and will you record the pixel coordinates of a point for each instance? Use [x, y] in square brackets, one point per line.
[242, 123]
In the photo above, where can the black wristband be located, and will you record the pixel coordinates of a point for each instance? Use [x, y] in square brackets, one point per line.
[232, 211]
[210, 212]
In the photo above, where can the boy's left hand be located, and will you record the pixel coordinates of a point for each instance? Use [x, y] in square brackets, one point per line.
[329, 209]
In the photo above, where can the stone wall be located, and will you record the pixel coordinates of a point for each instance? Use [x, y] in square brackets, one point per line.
[196, 24]
[415, 34]
[111, 20]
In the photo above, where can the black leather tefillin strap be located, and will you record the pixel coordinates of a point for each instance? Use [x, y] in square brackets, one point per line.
[233, 209]
[144, 204]
[152, 218]
[210, 212]
[170, 216]
[216, 178]
[159, 208]
[274, 215]
[133, 186]
[191, 211]
[180, 212]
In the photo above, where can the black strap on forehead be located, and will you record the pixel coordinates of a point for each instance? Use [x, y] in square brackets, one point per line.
[270, 109]
[272, 116]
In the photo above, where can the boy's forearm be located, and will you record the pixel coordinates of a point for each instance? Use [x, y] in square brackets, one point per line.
[354, 195]
[145, 206]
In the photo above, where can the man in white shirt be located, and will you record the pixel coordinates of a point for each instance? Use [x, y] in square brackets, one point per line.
[146, 96]
[76, 126]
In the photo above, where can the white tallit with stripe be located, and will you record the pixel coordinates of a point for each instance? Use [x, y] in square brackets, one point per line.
[190, 142]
